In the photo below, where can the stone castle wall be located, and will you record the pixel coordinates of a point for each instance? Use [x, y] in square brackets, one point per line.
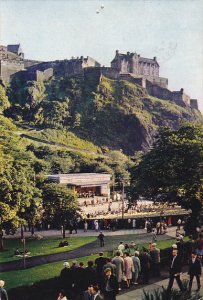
[161, 81]
[194, 103]
[129, 77]
[8, 68]
[44, 75]
[157, 91]
[180, 98]
[28, 63]
[130, 67]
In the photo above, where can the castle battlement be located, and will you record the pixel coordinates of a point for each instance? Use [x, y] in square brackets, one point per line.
[11, 61]
[130, 66]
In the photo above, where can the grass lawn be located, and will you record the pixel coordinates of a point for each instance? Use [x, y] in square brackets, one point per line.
[29, 276]
[41, 247]
[46, 271]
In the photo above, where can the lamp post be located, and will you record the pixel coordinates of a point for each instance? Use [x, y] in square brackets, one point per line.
[1, 235]
[23, 241]
[123, 190]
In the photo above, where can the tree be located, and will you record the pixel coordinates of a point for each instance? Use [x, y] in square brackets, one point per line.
[172, 170]
[4, 102]
[55, 113]
[17, 187]
[60, 204]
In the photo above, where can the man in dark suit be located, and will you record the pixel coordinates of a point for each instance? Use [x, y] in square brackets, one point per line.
[110, 286]
[96, 294]
[100, 262]
[175, 271]
[88, 294]
[66, 279]
[90, 275]
[194, 270]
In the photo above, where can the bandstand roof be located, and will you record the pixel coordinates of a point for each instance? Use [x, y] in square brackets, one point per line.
[81, 179]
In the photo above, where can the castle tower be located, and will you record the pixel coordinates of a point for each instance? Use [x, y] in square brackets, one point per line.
[16, 49]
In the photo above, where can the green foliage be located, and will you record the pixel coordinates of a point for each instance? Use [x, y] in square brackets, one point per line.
[4, 102]
[163, 294]
[20, 199]
[109, 113]
[53, 113]
[172, 170]
[59, 203]
[66, 138]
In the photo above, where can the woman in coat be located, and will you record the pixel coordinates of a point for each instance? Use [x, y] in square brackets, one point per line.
[119, 263]
[129, 268]
[137, 267]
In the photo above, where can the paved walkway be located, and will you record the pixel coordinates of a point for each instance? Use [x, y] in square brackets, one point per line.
[112, 240]
[137, 293]
[57, 233]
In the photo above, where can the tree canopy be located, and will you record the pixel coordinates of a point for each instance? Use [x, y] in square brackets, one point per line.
[172, 169]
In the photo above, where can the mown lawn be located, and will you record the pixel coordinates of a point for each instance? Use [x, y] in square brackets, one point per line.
[29, 276]
[46, 271]
[41, 247]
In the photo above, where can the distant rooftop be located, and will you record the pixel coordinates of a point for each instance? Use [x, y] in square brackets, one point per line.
[13, 48]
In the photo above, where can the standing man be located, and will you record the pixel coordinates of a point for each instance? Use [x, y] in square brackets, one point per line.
[101, 239]
[100, 262]
[111, 286]
[96, 294]
[179, 224]
[88, 294]
[194, 270]
[134, 223]
[175, 271]
[145, 260]
[121, 248]
[155, 262]
[66, 279]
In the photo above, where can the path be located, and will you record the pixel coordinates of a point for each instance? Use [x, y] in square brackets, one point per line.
[137, 293]
[57, 233]
[112, 240]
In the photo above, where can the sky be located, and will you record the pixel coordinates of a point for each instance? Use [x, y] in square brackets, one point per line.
[171, 30]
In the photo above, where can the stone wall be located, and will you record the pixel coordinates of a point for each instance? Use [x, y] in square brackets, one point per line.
[9, 68]
[194, 103]
[129, 77]
[112, 73]
[44, 75]
[180, 98]
[74, 66]
[157, 91]
[28, 63]
[161, 81]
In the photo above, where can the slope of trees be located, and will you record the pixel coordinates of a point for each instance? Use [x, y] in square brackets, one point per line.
[112, 113]
[173, 169]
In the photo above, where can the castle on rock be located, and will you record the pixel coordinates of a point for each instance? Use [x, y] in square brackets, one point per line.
[130, 66]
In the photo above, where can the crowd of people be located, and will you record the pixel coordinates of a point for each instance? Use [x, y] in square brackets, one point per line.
[113, 208]
[105, 277]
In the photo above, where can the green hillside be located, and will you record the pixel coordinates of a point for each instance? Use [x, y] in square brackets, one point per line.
[101, 112]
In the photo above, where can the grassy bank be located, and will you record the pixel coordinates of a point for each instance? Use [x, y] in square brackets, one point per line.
[46, 271]
[41, 247]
